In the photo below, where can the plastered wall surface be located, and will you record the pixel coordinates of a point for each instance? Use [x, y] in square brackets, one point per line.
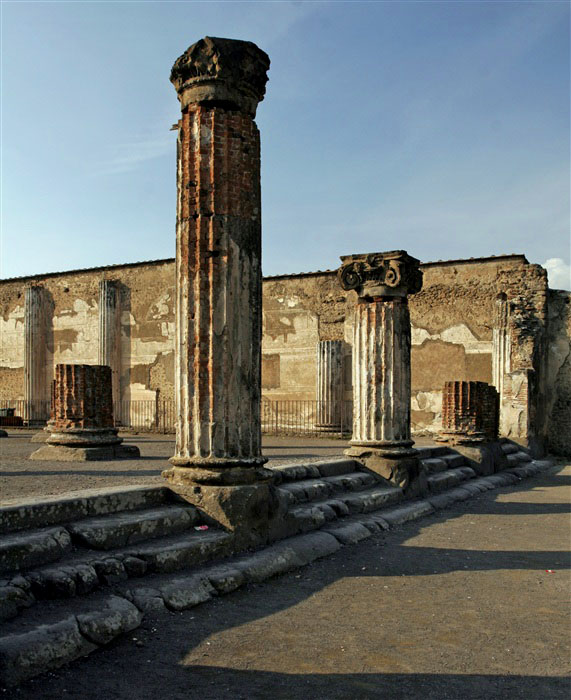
[452, 332]
[147, 327]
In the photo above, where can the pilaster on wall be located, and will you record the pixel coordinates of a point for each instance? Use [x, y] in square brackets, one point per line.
[329, 392]
[36, 380]
[519, 355]
[109, 351]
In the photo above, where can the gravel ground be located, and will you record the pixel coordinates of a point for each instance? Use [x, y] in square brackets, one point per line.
[469, 603]
[22, 479]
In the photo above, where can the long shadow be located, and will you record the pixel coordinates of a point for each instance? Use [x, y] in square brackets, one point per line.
[161, 673]
[83, 472]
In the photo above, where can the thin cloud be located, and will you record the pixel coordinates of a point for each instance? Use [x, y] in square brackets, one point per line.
[558, 273]
[132, 154]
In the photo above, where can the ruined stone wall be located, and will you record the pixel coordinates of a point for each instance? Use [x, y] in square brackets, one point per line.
[147, 327]
[452, 333]
[558, 395]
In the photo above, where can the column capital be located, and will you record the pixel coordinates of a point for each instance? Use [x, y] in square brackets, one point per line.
[224, 71]
[373, 275]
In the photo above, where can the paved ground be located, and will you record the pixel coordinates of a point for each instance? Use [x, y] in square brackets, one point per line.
[21, 478]
[470, 603]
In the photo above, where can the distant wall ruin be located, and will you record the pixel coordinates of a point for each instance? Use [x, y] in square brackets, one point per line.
[457, 334]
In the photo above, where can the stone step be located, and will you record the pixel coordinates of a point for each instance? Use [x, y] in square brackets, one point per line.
[56, 510]
[516, 458]
[312, 516]
[82, 573]
[122, 529]
[453, 460]
[509, 448]
[20, 550]
[314, 470]
[434, 464]
[61, 632]
[315, 489]
[450, 478]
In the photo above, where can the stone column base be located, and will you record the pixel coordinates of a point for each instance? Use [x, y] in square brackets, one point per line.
[399, 464]
[456, 437]
[243, 501]
[64, 453]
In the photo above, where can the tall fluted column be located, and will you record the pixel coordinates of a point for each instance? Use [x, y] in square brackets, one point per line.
[110, 334]
[329, 385]
[34, 353]
[219, 285]
[381, 361]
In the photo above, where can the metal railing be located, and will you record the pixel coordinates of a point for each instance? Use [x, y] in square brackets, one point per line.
[317, 418]
[306, 417]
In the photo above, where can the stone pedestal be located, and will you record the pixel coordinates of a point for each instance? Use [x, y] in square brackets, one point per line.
[81, 426]
[35, 381]
[329, 385]
[109, 351]
[218, 464]
[381, 362]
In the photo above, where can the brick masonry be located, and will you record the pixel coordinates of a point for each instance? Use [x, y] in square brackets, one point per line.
[470, 409]
[81, 398]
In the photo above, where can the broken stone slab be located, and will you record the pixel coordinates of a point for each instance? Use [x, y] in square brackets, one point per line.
[54, 510]
[434, 464]
[12, 599]
[187, 591]
[123, 529]
[355, 481]
[116, 617]
[63, 453]
[276, 559]
[225, 578]
[410, 511]
[349, 533]
[63, 634]
[25, 549]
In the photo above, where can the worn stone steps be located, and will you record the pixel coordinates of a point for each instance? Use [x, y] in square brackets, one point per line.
[44, 637]
[313, 515]
[449, 478]
[19, 551]
[306, 490]
[84, 571]
[316, 470]
[55, 510]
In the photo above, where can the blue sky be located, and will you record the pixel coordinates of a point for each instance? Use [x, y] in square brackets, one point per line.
[437, 127]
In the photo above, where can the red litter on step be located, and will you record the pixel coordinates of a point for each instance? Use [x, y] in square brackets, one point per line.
[201, 527]
[549, 571]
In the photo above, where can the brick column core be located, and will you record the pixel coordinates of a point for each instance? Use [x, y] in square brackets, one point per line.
[82, 406]
[218, 271]
[470, 411]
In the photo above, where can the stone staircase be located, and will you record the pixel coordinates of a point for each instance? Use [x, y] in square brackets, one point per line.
[78, 571]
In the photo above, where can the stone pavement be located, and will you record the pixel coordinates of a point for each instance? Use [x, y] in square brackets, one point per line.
[22, 479]
[470, 602]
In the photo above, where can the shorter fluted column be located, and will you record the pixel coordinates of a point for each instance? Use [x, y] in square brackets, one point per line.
[34, 353]
[381, 361]
[110, 333]
[329, 385]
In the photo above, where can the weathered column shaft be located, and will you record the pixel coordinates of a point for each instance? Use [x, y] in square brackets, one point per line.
[381, 361]
[381, 373]
[218, 269]
[329, 384]
[34, 352]
[109, 352]
[218, 464]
